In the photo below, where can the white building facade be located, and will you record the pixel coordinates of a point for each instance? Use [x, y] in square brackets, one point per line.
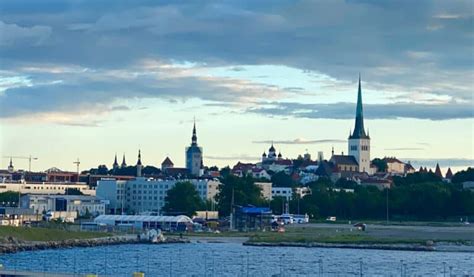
[147, 195]
[45, 188]
[282, 192]
[82, 204]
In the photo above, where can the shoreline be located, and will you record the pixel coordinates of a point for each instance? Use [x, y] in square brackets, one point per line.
[442, 247]
[435, 247]
[15, 246]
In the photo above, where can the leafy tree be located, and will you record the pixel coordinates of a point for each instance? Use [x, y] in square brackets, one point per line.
[278, 204]
[244, 190]
[183, 198]
[150, 170]
[225, 172]
[281, 179]
[213, 168]
[464, 175]
[380, 164]
[100, 170]
[416, 178]
[344, 183]
[125, 171]
[9, 197]
[73, 191]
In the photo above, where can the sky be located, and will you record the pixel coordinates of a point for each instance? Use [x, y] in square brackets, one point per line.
[91, 79]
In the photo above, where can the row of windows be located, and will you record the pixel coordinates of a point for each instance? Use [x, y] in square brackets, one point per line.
[147, 186]
[149, 198]
[135, 203]
[363, 147]
[348, 168]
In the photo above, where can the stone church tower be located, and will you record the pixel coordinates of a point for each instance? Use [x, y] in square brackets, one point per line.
[194, 155]
[359, 141]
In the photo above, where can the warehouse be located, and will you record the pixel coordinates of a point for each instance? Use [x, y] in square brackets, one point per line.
[165, 223]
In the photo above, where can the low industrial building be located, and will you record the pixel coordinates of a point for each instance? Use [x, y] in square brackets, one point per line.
[12, 216]
[165, 223]
[44, 188]
[81, 204]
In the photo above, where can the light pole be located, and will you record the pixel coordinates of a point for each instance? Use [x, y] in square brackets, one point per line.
[386, 193]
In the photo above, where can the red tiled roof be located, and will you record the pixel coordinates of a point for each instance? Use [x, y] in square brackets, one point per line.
[392, 160]
[243, 166]
[284, 162]
[342, 159]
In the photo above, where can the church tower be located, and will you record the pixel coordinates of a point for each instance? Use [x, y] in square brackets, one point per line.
[139, 164]
[115, 166]
[194, 155]
[359, 141]
[10, 166]
[124, 164]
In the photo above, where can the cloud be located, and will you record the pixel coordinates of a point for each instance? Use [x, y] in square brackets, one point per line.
[429, 53]
[301, 141]
[371, 111]
[120, 108]
[97, 90]
[443, 162]
[406, 149]
[12, 34]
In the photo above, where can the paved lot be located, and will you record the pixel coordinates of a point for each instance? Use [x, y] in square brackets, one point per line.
[462, 232]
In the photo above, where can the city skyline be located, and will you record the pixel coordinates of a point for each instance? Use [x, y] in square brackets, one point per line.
[88, 81]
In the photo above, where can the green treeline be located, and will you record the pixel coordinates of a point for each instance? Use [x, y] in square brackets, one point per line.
[418, 196]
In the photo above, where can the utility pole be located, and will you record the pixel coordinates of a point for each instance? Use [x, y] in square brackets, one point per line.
[232, 211]
[386, 193]
[77, 163]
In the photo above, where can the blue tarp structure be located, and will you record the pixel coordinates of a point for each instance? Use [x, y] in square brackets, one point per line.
[255, 210]
[252, 218]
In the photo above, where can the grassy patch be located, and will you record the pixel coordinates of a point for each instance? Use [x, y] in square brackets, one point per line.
[45, 234]
[340, 239]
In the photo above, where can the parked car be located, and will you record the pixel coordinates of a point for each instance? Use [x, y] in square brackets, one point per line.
[360, 226]
[331, 218]
[301, 218]
[286, 219]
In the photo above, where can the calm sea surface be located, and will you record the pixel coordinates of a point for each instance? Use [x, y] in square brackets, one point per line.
[233, 259]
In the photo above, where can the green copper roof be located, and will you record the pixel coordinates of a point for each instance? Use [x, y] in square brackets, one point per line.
[359, 130]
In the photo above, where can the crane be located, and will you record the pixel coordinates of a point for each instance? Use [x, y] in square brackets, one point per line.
[29, 158]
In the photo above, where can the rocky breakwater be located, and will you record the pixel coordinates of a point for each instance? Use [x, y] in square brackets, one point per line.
[401, 246]
[13, 245]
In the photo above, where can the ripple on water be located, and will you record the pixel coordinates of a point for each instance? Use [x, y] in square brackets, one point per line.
[233, 259]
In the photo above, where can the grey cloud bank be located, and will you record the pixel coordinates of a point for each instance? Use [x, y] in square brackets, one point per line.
[419, 46]
[371, 111]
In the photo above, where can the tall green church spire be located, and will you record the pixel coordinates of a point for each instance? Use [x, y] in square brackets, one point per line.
[359, 130]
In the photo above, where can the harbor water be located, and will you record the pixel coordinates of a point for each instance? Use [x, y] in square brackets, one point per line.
[234, 259]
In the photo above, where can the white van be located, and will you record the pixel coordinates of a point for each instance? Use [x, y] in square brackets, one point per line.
[301, 218]
[286, 219]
